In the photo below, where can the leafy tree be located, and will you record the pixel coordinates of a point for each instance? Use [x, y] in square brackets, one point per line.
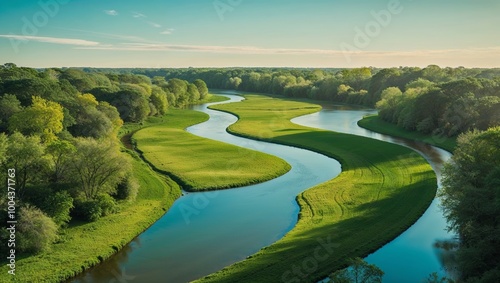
[159, 100]
[359, 271]
[59, 153]
[391, 98]
[9, 105]
[43, 118]
[26, 156]
[36, 231]
[99, 167]
[193, 93]
[471, 202]
[202, 88]
[132, 103]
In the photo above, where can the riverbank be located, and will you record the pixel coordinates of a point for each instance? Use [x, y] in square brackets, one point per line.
[200, 164]
[383, 189]
[375, 124]
[84, 245]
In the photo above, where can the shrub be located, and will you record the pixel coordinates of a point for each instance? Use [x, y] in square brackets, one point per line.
[127, 189]
[36, 231]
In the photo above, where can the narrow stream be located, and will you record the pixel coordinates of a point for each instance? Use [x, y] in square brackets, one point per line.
[204, 232]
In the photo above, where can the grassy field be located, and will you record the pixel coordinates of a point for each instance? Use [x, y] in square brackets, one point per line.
[83, 245]
[202, 164]
[374, 123]
[382, 190]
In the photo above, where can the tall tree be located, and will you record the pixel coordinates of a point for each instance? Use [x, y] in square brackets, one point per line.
[471, 202]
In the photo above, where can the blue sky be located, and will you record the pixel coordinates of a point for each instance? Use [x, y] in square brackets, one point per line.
[220, 33]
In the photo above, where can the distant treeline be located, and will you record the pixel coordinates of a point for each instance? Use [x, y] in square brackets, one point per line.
[430, 100]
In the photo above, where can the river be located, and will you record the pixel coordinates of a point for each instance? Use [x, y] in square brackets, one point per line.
[204, 232]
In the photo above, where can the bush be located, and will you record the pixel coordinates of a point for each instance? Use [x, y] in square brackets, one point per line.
[36, 231]
[87, 210]
[127, 189]
[107, 204]
[93, 210]
[56, 205]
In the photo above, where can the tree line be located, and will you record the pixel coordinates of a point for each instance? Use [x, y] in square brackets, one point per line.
[430, 100]
[58, 131]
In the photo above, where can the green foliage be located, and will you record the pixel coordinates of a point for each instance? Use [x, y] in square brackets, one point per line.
[357, 272]
[87, 210]
[471, 198]
[58, 206]
[43, 118]
[9, 105]
[98, 167]
[127, 189]
[36, 231]
[107, 204]
[26, 156]
[434, 278]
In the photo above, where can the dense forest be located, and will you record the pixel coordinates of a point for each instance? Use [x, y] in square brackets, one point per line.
[58, 136]
[431, 100]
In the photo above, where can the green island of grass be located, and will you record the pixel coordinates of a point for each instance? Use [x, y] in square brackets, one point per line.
[374, 123]
[199, 164]
[382, 190]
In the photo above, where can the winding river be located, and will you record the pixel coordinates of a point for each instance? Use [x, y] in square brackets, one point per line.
[204, 232]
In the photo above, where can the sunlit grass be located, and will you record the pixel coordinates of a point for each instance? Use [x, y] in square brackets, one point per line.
[202, 164]
[83, 245]
[374, 123]
[382, 190]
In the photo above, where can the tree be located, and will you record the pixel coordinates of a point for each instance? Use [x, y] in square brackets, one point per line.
[391, 98]
[25, 155]
[43, 118]
[193, 93]
[9, 105]
[59, 154]
[359, 271]
[36, 231]
[471, 202]
[202, 88]
[132, 103]
[99, 167]
[159, 100]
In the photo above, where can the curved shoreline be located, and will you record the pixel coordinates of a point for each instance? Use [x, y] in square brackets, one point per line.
[251, 268]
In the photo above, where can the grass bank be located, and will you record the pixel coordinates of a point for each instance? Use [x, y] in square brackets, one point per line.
[201, 164]
[382, 190]
[374, 123]
[83, 245]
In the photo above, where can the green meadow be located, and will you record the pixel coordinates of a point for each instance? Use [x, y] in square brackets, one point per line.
[199, 164]
[382, 190]
[374, 123]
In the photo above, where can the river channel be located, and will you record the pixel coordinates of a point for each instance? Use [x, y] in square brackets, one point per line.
[204, 232]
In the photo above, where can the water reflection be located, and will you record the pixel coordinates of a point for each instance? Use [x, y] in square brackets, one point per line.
[412, 256]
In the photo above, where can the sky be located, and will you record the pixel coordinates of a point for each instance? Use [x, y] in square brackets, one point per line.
[250, 33]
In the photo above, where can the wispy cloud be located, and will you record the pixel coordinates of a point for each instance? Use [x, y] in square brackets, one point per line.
[155, 25]
[289, 51]
[138, 15]
[53, 40]
[111, 12]
[167, 31]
